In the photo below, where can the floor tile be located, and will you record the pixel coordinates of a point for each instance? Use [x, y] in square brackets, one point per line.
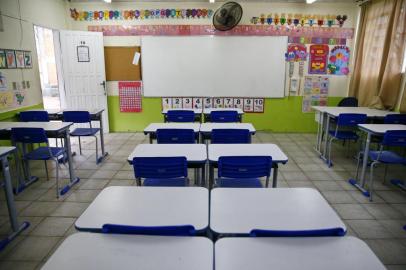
[33, 248]
[352, 211]
[53, 226]
[390, 251]
[338, 197]
[369, 229]
[40, 209]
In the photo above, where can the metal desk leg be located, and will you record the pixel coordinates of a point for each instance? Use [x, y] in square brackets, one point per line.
[73, 179]
[104, 154]
[326, 128]
[361, 184]
[151, 140]
[320, 130]
[203, 179]
[16, 227]
[275, 176]
[28, 178]
[211, 175]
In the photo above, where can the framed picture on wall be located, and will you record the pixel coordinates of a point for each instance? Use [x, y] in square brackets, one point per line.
[83, 53]
[27, 59]
[11, 59]
[19, 59]
[3, 59]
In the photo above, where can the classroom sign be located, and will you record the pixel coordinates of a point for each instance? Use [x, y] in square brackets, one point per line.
[318, 59]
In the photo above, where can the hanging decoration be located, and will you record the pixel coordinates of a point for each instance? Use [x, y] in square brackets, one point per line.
[339, 60]
[141, 14]
[295, 53]
[300, 19]
[315, 92]
[318, 59]
[240, 30]
[341, 19]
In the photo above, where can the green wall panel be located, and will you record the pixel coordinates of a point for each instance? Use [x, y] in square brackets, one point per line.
[281, 115]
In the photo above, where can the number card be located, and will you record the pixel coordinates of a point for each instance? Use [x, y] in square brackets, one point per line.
[177, 103]
[187, 103]
[239, 103]
[259, 105]
[130, 96]
[166, 103]
[208, 103]
[248, 105]
[228, 102]
[197, 103]
[218, 103]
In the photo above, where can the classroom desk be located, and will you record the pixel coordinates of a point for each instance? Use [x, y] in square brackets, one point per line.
[53, 130]
[370, 130]
[198, 113]
[207, 128]
[207, 111]
[282, 211]
[259, 149]
[89, 251]
[147, 207]
[307, 253]
[196, 154]
[8, 190]
[328, 113]
[153, 127]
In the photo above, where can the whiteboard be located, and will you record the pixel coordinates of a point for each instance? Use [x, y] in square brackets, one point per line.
[213, 66]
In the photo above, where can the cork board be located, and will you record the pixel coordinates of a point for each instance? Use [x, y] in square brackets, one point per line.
[119, 67]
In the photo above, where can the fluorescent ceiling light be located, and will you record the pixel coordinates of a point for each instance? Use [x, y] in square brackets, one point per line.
[310, 1]
[212, 1]
[107, 1]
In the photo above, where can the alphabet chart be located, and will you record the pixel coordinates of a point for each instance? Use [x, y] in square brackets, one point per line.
[130, 96]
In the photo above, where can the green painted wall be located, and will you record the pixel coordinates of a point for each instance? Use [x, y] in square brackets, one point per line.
[12, 115]
[281, 115]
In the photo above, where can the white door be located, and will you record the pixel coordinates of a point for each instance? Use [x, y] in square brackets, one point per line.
[82, 57]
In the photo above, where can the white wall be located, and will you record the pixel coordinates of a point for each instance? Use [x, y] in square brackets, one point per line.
[338, 84]
[47, 13]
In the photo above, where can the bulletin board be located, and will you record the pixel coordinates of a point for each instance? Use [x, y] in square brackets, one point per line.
[119, 64]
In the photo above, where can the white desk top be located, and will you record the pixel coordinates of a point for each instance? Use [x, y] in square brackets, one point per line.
[5, 150]
[381, 128]
[288, 253]
[209, 110]
[91, 111]
[196, 111]
[192, 152]
[147, 206]
[152, 128]
[49, 111]
[89, 251]
[47, 126]
[254, 149]
[239, 210]
[208, 127]
[335, 111]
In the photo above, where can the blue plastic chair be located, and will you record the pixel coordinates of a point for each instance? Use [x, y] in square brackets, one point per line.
[230, 136]
[180, 116]
[224, 116]
[175, 136]
[345, 129]
[82, 117]
[348, 102]
[34, 116]
[161, 171]
[395, 119]
[243, 171]
[392, 138]
[26, 136]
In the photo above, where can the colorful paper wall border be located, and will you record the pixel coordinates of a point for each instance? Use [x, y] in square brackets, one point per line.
[300, 19]
[12, 59]
[241, 30]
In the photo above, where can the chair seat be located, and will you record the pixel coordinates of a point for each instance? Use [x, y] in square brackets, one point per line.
[239, 183]
[84, 131]
[159, 182]
[388, 157]
[42, 153]
[344, 135]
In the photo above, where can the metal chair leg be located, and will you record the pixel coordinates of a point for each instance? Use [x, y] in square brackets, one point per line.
[329, 152]
[57, 177]
[384, 174]
[371, 179]
[46, 169]
[138, 181]
[97, 150]
[80, 146]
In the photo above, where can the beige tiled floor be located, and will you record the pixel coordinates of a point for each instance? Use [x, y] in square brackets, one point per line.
[378, 223]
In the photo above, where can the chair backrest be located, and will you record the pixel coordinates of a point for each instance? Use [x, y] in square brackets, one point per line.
[29, 135]
[180, 116]
[175, 136]
[394, 138]
[160, 167]
[223, 116]
[230, 136]
[76, 116]
[395, 119]
[348, 102]
[351, 119]
[244, 166]
[34, 116]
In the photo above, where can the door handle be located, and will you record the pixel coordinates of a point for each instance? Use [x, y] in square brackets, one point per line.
[104, 87]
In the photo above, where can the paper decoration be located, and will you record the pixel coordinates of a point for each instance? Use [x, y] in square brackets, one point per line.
[6, 99]
[296, 53]
[19, 59]
[3, 59]
[177, 103]
[258, 105]
[197, 103]
[294, 85]
[299, 19]
[318, 59]
[228, 102]
[27, 59]
[248, 105]
[136, 58]
[130, 96]
[341, 20]
[19, 97]
[339, 61]
[218, 103]
[187, 103]
[239, 30]
[195, 13]
[11, 59]
[207, 103]
[3, 82]
[83, 53]
[238, 103]
[166, 103]
[315, 92]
